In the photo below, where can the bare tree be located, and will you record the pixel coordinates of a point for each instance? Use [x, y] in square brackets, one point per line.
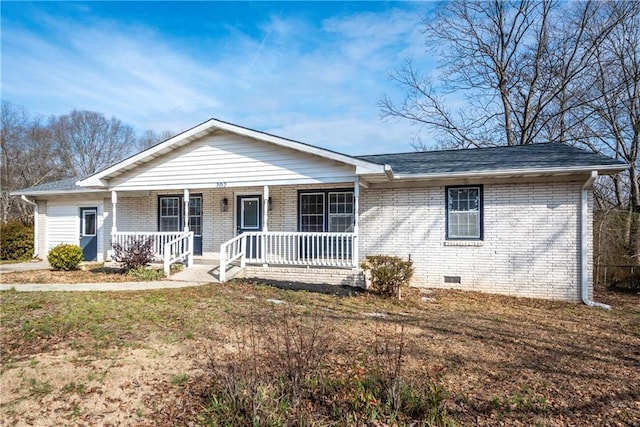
[149, 138]
[27, 158]
[88, 141]
[513, 64]
[611, 112]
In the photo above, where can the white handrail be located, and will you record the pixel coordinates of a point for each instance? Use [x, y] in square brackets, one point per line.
[290, 248]
[178, 249]
[230, 251]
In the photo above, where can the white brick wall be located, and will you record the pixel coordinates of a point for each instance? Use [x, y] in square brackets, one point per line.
[530, 246]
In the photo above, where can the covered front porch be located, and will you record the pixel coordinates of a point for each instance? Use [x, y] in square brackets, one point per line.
[305, 226]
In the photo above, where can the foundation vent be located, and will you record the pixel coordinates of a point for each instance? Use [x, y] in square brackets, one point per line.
[452, 279]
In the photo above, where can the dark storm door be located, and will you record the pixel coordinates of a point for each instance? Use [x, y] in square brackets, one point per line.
[89, 233]
[195, 223]
[249, 218]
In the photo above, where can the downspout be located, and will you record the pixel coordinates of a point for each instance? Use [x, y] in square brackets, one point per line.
[35, 223]
[584, 247]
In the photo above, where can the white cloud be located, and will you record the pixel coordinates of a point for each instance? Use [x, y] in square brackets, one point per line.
[315, 82]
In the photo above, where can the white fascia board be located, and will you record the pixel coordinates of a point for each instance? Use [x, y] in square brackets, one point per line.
[510, 172]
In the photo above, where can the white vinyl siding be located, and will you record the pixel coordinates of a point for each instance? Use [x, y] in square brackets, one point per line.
[223, 160]
[63, 224]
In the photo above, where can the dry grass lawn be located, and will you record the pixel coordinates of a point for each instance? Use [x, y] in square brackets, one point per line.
[141, 358]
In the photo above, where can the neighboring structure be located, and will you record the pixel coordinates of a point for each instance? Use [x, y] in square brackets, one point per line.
[510, 220]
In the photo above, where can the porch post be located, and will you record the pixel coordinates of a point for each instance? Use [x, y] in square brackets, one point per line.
[185, 214]
[114, 205]
[265, 224]
[265, 208]
[356, 226]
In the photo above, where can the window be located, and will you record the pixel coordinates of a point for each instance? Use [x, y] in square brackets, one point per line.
[341, 212]
[312, 212]
[195, 215]
[169, 214]
[464, 212]
[326, 210]
[89, 222]
[171, 211]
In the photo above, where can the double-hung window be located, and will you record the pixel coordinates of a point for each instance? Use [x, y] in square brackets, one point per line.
[326, 210]
[169, 214]
[464, 212]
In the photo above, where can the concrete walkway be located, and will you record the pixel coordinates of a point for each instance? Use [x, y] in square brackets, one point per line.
[24, 266]
[196, 275]
[84, 287]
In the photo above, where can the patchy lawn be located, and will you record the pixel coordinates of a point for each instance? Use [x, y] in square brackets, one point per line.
[145, 358]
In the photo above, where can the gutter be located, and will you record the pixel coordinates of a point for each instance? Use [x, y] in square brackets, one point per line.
[512, 172]
[35, 224]
[584, 250]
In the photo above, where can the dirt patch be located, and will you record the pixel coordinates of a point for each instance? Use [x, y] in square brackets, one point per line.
[123, 387]
[85, 275]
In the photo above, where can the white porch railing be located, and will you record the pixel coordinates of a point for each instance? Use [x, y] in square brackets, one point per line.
[178, 249]
[167, 245]
[290, 248]
[230, 251]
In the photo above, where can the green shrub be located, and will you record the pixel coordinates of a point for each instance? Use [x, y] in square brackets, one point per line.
[145, 274]
[65, 257]
[388, 274]
[16, 241]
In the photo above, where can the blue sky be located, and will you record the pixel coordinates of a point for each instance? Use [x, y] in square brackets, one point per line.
[306, 71]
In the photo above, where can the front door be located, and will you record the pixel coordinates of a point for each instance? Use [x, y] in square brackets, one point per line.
[89, 233]
[249, 218]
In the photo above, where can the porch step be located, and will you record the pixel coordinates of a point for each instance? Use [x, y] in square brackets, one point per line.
[204, 273]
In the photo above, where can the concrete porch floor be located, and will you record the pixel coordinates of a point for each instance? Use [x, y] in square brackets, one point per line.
[202, 270]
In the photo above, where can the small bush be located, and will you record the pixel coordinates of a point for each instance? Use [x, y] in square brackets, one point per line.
[145, 274]
[16, 241]
[388, 274]
[65, 257]
[135, 253]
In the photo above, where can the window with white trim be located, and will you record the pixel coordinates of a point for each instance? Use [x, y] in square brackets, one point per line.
[195, 215]
[464, 212]
[169, 214]
[326, 210]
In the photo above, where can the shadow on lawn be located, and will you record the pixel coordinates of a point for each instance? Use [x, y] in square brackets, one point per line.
[337, 290]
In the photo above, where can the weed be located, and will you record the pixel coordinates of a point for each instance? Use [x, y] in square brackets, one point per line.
[72, 387]
[146, 274]
[38, 388]
[179, 379]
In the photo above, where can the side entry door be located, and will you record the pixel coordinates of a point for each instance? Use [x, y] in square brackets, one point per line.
[89, 233]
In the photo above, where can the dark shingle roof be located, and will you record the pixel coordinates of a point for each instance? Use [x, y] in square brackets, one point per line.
[521, 157]
[64, 185]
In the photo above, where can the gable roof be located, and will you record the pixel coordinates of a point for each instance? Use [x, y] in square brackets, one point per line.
[543, 158]
[535, 159]
[212, 125]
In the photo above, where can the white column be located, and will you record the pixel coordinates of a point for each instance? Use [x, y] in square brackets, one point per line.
[265, 208]
[356, 226]
[186, 211]
[114, 205]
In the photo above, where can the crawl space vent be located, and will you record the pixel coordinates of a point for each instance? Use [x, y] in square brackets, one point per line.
[452, 279]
